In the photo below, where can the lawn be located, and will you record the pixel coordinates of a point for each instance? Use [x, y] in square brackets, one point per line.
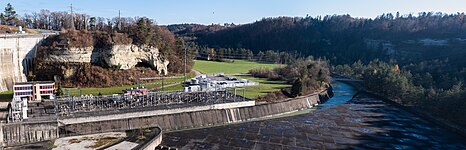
[242, 66]
[265, 86]
[119, 89]
[6, 96]
[236, 67]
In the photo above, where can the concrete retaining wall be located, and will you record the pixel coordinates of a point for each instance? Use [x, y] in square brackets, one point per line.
[193, 119]
[153, 143]
[156, 112]
[27, 132]
[23, 133]
[17, 53]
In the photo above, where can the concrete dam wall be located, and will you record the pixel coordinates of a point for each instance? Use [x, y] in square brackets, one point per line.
[17, 53]
[23, 133]
[192, 119]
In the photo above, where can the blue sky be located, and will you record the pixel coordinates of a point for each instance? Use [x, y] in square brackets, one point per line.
[235, 11]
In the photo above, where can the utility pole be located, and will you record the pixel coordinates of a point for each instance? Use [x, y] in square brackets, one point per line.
[72, 17]
[119, 20]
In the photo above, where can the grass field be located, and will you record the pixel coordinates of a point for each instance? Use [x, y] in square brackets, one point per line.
[242, 66]
[264, 87]
[6, 96]
[119, 89]
[238, 66]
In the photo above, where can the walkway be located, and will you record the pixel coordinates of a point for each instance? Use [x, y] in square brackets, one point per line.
[362, 123]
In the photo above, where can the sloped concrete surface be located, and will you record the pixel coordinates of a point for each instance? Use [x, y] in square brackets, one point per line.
[364, 122]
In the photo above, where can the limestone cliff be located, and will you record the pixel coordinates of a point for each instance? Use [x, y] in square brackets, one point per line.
[127, 56]
[121, 56]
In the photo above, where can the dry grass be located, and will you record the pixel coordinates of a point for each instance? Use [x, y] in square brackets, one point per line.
[74, 141]
[13, 29]
[103, 141]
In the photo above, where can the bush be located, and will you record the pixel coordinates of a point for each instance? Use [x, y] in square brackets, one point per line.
[272, 97]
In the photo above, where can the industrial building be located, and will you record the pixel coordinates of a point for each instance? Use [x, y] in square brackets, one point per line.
[136, 91]
[34, 91]
[216, 82]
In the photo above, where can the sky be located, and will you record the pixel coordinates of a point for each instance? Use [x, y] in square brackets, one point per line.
[235, 11]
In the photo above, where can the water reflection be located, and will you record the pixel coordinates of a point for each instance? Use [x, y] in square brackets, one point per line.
[342, 93]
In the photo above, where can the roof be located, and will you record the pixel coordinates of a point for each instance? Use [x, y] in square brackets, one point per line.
[140, 89]
[34, 82]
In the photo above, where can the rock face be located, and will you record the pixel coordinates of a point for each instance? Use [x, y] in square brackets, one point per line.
[128, 56]
[121, 56]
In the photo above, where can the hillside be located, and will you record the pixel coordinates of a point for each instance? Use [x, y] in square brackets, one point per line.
[102, 59]
[345, 39]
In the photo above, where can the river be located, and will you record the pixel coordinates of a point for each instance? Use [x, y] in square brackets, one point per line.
[342, 93]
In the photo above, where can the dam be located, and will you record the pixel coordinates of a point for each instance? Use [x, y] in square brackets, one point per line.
[17, 53]
[343, 122]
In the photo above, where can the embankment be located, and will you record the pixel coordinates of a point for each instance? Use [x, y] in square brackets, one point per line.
[186, 118]
[168, 119]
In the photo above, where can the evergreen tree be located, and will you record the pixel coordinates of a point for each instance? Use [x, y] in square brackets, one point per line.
[143, 31]
[297, 88]
[9, 17]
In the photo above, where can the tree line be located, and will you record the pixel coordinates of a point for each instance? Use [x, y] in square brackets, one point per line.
[268, 56]
[82, 30]
[306, 75]
[425, 86]
[60, 20]
[340, 38]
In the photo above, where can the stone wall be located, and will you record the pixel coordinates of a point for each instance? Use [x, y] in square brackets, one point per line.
[14, 134]
[17, 53]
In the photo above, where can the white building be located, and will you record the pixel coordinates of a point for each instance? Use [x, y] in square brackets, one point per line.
[216, 82]
[34, 90]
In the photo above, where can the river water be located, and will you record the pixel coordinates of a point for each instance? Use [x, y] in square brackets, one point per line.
[364, 122]
[342, 93]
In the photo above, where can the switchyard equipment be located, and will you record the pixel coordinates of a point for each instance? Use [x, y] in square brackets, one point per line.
[18, 110]
[68, 106]
[160, 78]
[216, 82]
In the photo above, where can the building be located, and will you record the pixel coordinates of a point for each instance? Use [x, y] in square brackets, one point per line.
[216, 82]
[136, 91]
[33, 91]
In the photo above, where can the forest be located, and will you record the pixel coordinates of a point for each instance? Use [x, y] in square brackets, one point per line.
[306, 75]
[340, 38]
[415, 59]
[428, 86]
